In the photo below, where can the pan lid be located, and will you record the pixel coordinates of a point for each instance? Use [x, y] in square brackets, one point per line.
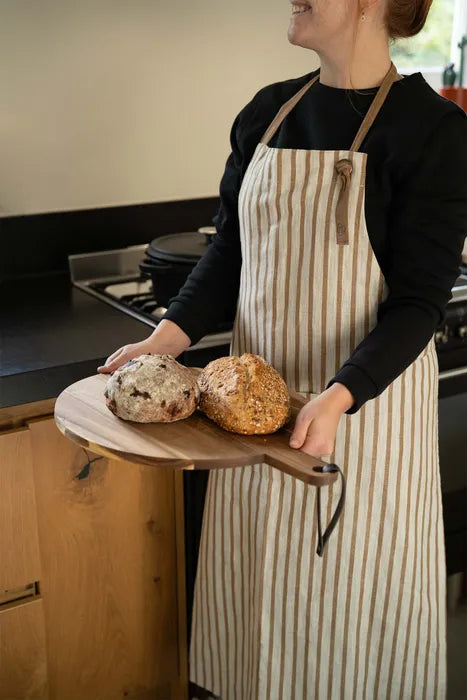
[178, 247]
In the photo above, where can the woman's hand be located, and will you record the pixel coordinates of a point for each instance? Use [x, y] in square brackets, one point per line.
[168, 338]
[316, 424]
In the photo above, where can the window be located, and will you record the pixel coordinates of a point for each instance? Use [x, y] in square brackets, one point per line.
[436, 45]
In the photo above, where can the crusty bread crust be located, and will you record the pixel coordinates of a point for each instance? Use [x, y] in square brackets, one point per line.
[152, 389]
[244, 395]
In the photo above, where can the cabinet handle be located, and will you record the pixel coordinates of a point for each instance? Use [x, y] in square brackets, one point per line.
[13, 595]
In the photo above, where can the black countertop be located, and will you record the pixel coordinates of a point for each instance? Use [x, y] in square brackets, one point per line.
[53, 334]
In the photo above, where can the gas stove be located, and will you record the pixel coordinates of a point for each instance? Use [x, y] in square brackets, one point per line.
[114, 277]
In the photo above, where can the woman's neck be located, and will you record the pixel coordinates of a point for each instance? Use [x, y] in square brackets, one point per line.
[368, 67]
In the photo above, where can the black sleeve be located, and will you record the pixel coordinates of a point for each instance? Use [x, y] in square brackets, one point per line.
[427, 229]
[211, 290]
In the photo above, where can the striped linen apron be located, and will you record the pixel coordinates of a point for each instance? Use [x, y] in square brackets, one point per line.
[271, 618]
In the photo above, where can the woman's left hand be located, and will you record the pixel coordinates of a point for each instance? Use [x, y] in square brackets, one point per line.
[316, 423]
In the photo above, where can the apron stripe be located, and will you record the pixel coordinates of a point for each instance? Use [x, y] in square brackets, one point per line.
[221, 666]
[204, 597]
[359, 222]
[272, 617]
[267, 257]
[313, 280]
[262, 233]
[285, 588]
[209, 662]
[296, 613]
[300, 267]
[420, 561]
[309, 620]
[430, 543]
[247, 585]
[329, 494]
[414, 528]
[386, 621]
[242, 546]
[382, 494]
[409, 447]
[324, 274]
[248, 269]
[222, 479]
[338, 336]
[234, 620]
[288, 255]
[440, 564]
[253, 512]
[348, 592]
[366, 545]
[341, 535]
[261, 601]
[436, 572]
[276, 250]
[368, 301]
[417, 554]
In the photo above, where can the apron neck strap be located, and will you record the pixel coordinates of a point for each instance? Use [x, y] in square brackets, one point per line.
[390, 77]
[284, 110]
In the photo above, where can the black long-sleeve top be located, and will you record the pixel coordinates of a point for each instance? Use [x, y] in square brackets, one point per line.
[415, 209]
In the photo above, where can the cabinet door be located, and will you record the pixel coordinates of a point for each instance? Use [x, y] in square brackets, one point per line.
[23, 666]
[23, 673]
[108, 546]
[19, 550]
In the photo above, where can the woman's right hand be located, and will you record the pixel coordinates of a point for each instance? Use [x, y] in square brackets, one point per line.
[125, 353]
[168, 338]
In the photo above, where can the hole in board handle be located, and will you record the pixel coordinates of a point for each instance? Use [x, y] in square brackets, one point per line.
[326, 468]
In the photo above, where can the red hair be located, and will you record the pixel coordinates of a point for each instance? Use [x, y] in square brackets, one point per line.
[404, 18]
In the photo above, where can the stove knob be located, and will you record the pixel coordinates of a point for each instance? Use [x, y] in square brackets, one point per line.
[442, 336]
[461, 331]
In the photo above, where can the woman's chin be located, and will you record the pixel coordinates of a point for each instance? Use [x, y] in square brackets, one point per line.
[297, 37]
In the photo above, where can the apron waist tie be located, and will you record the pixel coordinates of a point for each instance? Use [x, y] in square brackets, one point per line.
[322, 538]
[344, 171]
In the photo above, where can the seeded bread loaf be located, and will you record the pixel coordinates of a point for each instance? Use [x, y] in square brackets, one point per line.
[244, 395]
[152, 389]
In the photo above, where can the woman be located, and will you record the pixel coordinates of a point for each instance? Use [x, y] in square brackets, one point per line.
[342, 261]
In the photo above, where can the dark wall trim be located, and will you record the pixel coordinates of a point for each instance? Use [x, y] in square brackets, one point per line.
[38, 244]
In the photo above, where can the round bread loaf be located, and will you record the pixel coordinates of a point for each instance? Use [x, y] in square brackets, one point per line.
[152, 389]
[244, 394]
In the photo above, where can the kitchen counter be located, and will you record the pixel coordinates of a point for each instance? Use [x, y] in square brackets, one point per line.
[53, 334]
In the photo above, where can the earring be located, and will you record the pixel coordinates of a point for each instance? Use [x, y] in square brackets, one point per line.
[362, 17]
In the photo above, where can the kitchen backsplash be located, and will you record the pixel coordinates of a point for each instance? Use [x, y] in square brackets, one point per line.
[39, 244]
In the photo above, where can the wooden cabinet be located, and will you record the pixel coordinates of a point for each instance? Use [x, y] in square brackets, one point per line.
[23, 659]
[23, 667]
[110, 536]
[19, 549]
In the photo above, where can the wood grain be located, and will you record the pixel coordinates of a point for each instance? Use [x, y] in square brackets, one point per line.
[19, 546]
[23, 661]
[193, 443]
[109, 572]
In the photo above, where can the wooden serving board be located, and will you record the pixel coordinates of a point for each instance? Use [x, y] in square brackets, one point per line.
[192, 443]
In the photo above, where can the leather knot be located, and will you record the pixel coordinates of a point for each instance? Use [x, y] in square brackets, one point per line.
[344, 171]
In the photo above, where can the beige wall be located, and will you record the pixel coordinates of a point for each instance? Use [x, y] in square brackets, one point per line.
[109, 102]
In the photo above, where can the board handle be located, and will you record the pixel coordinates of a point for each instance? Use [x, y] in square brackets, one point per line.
[323, 537]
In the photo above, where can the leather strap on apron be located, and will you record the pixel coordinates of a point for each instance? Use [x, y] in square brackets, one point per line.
[344, 165]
